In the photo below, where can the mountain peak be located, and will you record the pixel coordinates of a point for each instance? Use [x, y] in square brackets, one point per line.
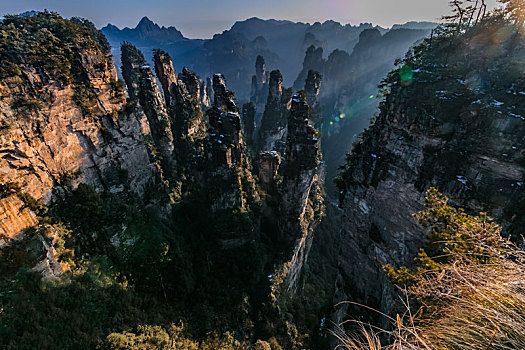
[145, 20]
[146, 23]
[146, 32]
[110, 26]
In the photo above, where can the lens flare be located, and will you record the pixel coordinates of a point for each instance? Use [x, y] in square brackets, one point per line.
[406, 73]
[371, 97]
[342, 115]
[331, 123]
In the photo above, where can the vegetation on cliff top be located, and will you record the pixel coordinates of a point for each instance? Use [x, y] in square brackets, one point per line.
[51, 45]
[46, 40]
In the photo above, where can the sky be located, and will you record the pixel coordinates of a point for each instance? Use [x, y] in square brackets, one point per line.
[203, 18]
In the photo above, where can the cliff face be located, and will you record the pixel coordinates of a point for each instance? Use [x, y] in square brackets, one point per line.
[63, 123]
[348, 94]
[55, 134]
[183, 97]
[143, 89]
[248, 122]
[14, 217]
[313, 60]
[272, 132]
[453, 121]
[226, 149]
[165, 73]
[259, 92]
[301, 203]
[312, 86]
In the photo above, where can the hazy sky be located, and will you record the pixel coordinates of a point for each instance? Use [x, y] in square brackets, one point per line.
[203, 18]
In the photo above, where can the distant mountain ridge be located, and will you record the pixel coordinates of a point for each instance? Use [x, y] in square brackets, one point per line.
[145, 31]
[233, 52]
[415, 25]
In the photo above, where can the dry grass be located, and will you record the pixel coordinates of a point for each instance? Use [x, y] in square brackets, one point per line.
[474, 302]
[470, 294]
[475, 306]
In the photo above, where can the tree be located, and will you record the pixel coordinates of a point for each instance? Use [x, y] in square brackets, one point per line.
[477, 10]
[465, 13]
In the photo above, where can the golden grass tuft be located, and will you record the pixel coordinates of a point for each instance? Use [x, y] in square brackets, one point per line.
[471, 297]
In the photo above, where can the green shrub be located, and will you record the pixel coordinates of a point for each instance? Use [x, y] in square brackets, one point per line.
[86, 99]
[465, 293]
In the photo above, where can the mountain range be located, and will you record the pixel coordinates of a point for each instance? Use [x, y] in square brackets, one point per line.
[233, 52]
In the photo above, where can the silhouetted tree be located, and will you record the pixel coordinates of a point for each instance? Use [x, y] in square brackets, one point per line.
[465, 13]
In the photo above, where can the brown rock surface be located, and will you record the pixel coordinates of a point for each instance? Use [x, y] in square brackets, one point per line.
[15, 217]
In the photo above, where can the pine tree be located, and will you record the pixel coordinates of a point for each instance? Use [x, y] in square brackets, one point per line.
[465, 13]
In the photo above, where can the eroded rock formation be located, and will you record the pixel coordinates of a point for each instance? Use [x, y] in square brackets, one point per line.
[313, 60]
[312, 85]
[272, 133]
[259, 92]
[143, 88]
[226, 149]
[183, 96]
[248, 123]
[15, 217]
[431, 131]
[269, 162]
[55, 144]
[165, 73]
[301, 205]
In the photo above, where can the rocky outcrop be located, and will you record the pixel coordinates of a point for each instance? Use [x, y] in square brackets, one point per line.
[458, 129]
[61, 127]
[188, 117]
[223, 98]
[206, 90]
[248, 123]
[260, 71]
[301, 205]
[226, 140]
[15, 217]
[143, 88]
[183, 95]
[48, 265]
[269, 162]
[259, 92]
[52, 143]
[313, 60]
[312, 85]
[272, 133]
[233, 185]
[165, 73]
